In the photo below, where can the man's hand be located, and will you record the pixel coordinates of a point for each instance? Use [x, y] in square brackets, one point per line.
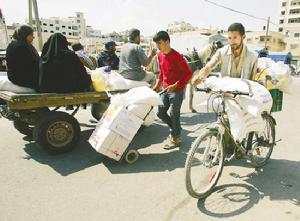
[157, 86]
[197, 80]
[201, 76]
[171, 88]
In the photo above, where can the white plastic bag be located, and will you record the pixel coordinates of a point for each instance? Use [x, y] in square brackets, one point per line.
[7, 85]
[244, 112]
[118, 82]
[138, 95]
[139, 110]
[264, 63]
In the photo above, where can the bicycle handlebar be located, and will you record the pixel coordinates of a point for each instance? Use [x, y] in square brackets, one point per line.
[235, 93]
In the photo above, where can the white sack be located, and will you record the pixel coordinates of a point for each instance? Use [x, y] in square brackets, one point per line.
[7, 85]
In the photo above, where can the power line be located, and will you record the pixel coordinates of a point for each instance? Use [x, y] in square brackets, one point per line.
[243, 13]
[234, 10]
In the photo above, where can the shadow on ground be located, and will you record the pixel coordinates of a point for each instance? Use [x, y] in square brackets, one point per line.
[84, 156]
[229, 200]
[279, 180]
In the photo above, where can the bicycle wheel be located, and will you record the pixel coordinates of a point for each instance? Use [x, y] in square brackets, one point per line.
[260, 144]
[204, 164]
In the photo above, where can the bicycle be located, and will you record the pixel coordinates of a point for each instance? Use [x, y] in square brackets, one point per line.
[205, 160]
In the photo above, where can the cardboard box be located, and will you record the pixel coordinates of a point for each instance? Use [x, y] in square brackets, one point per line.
[121, 121]
[114, 132]
[108, 142]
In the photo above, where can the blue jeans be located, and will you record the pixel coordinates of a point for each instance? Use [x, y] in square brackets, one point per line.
[173, 102]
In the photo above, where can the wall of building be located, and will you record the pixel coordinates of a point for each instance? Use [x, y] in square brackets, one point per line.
[275, 40]
[289, 24]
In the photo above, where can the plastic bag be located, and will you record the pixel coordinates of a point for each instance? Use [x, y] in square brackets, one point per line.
[138, 95]
[7, 85]
[139, 110]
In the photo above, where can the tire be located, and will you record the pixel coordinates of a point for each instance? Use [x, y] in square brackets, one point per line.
[57, 132]
[98, 109]
[131, 156]
[23, 128]
[206, 171]
[260, 144]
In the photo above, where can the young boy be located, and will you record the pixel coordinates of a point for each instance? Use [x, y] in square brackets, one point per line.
[174, 75]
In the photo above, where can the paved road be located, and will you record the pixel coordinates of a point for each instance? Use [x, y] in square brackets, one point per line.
[83, 185]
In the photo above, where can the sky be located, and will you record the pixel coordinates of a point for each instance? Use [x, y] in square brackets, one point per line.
[149, 16]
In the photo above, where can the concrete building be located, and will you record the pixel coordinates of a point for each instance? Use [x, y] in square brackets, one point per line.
[289, 24]
[275, 40]
[92, 33]
[45, 35]
[180, 26]
[71, 26]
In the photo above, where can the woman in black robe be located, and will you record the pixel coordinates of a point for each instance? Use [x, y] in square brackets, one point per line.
[61, 70]
[22, 59]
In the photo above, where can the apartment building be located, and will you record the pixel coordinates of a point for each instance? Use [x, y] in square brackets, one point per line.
[275, 40]
[289, 24]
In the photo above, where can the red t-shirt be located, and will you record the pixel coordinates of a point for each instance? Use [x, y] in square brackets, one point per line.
[173, 68]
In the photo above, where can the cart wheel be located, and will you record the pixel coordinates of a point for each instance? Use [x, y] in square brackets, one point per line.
[57, 132]
[99, 108]
[131, 156]
[23, 128]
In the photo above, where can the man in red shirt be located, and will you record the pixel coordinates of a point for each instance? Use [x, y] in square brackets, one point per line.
[174, 75]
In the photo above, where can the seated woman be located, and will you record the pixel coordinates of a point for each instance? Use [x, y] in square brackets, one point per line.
[61, 70]
[23, 59]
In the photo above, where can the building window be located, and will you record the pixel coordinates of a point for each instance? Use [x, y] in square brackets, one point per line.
[293, 3]
[297, 35]
[295, 11]
[51, 25]
[69, 27]
[45, 31]
[52, 31]
[262, 38]
[282, 12]
[70, 33]
[57, 28]
[44, 24]
[281, 21]
[56, 22]
[294, 46]
[75, 33]
[64, 32]
[78, 21]
[294, 20]
[63, 26]
[74, 27]
[283, 3]
[280, 29]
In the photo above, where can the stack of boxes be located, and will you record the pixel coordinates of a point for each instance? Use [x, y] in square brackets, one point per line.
[114, 132]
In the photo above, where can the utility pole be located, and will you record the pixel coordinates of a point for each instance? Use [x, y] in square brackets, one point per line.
[30, 12]
[37, 23]
[267, 32]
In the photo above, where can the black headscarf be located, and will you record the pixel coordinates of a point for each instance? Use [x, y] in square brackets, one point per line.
[55, 46]
[61, 70]
[21, 34]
